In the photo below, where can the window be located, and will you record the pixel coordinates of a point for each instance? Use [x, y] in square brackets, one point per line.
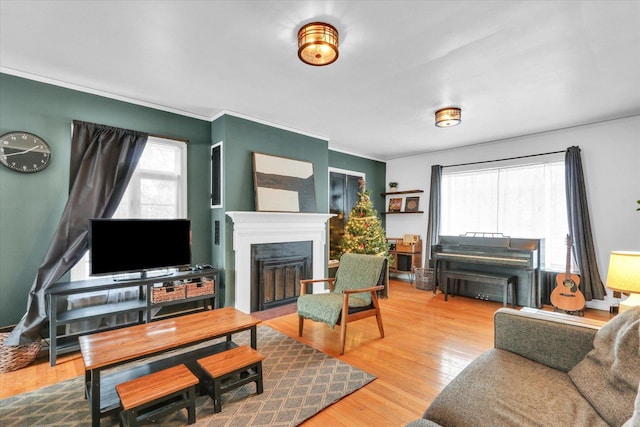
[158, 189]
[525, 201]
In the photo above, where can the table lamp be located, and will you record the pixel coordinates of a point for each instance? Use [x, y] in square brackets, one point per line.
[624, 276]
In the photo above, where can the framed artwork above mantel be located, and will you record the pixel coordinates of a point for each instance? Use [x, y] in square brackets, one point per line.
[283, 185]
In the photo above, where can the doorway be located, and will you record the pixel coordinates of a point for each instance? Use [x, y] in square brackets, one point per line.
[343, 194]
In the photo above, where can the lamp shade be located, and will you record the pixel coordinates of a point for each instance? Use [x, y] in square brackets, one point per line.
[624, 271]
[318, 44]
[450, 116]
[624, 276]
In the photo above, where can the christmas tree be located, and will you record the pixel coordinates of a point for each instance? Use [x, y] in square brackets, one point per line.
[363, 232]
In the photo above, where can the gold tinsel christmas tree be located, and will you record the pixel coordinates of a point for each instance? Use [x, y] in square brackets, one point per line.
[363, 232]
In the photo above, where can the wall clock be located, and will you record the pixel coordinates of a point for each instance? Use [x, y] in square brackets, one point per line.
[24, 152]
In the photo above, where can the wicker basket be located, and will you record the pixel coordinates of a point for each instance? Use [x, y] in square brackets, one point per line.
[425, 279]
[168, 293]
[200, 288]
[15, 357]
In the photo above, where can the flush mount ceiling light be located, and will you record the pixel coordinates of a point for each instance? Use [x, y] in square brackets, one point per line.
[450, 116]
[318, 44]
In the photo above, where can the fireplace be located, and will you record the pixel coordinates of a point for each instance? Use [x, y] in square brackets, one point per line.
[256, 228]
[276, 271]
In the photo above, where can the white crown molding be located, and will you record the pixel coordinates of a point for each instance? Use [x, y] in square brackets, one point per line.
[91, 91]
[267, 123]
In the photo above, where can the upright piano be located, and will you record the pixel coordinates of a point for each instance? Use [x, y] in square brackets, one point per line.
[493, 254]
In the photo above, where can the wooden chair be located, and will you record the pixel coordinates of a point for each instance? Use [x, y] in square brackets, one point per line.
[353, 295]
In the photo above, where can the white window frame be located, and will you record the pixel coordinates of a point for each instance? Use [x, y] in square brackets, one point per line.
[555, 263]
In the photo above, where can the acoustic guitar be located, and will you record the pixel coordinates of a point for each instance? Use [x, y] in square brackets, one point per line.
[566, 296]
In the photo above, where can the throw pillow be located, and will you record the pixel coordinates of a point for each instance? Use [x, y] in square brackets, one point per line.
[609, 375]
[635, 420]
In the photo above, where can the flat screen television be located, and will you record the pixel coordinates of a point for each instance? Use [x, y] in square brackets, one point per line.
[119, 246]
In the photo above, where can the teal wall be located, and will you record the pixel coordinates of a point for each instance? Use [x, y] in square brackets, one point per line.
[31, 204]
[241, 139]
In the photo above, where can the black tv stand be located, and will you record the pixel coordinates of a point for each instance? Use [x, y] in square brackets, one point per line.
[143, 275]
[59, 315]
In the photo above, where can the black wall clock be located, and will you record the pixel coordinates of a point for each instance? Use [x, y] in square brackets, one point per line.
[24, 152]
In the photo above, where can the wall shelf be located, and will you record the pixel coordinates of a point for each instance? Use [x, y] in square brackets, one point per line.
[391, 193]
[401, 193]
[402, 212]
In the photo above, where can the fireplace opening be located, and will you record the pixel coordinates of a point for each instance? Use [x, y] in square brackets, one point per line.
[276, 271]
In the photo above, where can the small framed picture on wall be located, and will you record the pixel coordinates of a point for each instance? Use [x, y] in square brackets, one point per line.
[412, 204]
[395, 204]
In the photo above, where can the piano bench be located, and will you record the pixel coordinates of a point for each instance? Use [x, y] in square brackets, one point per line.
[507, 282]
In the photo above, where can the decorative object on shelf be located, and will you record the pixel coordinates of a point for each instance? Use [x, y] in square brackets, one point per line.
[624, 276]
[283, 184]
[14, 357]
[395, 204]
[393, 186]
[24, 152]
[363, 232]
[412, 204]
[318, 44]
[447, 117]
[203, 287]
[171, 292]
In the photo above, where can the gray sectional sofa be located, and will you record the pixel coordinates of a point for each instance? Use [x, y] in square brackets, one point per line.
[547, 369]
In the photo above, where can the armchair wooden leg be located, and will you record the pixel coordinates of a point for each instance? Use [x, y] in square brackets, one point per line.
[300, 325]
[380, 327]
[343, 335]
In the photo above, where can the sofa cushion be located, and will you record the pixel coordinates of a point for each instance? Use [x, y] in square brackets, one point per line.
[505, 389]
[608, 376]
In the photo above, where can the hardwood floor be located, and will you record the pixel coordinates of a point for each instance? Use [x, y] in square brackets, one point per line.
[427, 342]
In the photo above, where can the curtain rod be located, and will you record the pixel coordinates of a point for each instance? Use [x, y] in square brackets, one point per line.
[508, 158]
[169, 137]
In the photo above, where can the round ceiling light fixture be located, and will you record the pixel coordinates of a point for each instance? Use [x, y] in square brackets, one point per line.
[318, 44]
[447, 117]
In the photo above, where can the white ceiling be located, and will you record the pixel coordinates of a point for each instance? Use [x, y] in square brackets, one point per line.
[514, 67]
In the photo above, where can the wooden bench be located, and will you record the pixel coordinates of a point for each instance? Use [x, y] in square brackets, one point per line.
[231, 369]
[507, 282]
[158, 393]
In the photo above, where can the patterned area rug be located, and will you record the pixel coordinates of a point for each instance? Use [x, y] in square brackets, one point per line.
[299, 381]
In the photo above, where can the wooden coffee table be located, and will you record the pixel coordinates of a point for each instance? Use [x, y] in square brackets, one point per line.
[116, 347]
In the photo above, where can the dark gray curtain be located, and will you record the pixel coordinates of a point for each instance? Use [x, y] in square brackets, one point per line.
[580, 227]
[433, 226]
[102, 161]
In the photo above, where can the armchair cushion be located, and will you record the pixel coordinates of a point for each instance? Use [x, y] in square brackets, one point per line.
[358, 271]
[326, 307]
[613, 366]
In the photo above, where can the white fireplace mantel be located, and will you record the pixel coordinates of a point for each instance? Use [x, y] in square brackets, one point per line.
[251, 228]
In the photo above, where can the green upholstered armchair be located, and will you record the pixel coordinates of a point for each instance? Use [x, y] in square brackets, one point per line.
[352, 294]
